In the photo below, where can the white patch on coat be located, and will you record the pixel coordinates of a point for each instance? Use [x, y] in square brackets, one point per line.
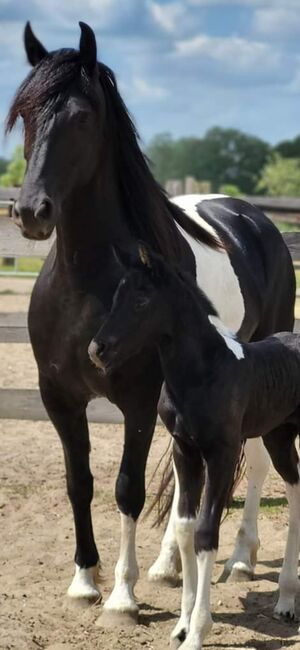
[166, 565]
[244, 556]
[289, 584]
[185, 533]
[215, 274]
[201, 620]
[232, 343]
[83, 584]
[122, 597]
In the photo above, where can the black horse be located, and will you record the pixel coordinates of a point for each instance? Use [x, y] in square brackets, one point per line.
[87, 176]
[217, 392]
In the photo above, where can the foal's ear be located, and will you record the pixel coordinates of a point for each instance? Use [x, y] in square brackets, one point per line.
[144, 255]
[34, 49]
[88, 48]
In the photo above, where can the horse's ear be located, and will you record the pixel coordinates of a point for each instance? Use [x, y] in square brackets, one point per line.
[34, 49]
[144, 255]
[88, 48]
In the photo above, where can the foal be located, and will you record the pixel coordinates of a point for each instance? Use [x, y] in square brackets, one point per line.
[217, 393]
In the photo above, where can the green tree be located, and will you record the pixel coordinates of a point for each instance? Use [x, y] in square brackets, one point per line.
[3, 165]
[289, 148]
[222, 156]
[13, 177]
[233, 157]
[231, 190]
[161, 156]
[281, 177]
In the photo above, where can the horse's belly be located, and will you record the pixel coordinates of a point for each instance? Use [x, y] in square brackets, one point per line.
[215, 274]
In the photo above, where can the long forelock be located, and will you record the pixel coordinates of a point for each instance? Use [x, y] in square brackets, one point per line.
[46, 87]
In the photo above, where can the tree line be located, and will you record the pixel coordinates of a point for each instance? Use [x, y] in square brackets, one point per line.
[229, 160]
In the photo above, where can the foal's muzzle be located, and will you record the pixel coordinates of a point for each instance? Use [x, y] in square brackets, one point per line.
[96, 353]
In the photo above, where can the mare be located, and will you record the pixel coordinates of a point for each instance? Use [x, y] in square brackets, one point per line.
[87, 177]
[216, 393]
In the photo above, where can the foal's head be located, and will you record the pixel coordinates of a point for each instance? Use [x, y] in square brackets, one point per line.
[139, 316]
[62, 106]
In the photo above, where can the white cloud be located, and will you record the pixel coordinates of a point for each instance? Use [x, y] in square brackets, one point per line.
[275, 22]
[238, 53]
[167, 16]
[149, 90]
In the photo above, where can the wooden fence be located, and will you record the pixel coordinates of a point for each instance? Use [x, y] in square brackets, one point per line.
[25, 404]
[22, 404]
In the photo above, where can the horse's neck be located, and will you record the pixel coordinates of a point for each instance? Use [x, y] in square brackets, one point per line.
[187, 353]
[91, 222]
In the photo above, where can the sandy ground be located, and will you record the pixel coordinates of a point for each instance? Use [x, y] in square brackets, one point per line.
[37, 545]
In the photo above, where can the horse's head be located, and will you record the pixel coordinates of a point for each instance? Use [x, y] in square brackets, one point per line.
[62, 106]
[139, 316]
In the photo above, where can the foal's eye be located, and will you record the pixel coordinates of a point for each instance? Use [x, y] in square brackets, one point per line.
[141, 303]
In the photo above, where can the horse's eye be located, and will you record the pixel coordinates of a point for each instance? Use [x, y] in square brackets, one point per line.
[141, 303]
[82, 117]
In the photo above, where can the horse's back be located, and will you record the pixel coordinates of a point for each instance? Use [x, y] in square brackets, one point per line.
[252, 283]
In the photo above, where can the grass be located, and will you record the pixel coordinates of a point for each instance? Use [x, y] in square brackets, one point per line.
[24, 264]
[268, 505]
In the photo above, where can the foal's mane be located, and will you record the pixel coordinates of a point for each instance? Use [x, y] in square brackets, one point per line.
[150, 214]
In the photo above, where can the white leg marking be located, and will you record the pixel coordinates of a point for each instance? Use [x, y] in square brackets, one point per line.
[126, 573]
[243, 559]
[185, 533]
[201, 620]
[165, 568]
[83, 584]
[288, 579]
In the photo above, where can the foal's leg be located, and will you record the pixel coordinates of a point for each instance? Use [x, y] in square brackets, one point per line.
[281, 446]
[242, 563]
[140, 418]
[69, 419]
[220, 465]
[188, 472]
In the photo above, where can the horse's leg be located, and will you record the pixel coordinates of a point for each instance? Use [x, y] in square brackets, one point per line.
[241, 564]
[281, 446]
[69, 419]
[220, 466]
[188, 472]
[167, 566]
[140, 418]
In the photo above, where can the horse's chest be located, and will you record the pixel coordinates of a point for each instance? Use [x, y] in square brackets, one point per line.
[61, 344]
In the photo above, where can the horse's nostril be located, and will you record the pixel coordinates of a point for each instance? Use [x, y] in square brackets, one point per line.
[44, 211]
[100, 348]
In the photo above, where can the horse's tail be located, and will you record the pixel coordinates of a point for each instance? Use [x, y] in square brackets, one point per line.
[239, 474]
[165, 493]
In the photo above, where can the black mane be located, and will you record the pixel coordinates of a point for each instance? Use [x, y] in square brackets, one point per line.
[150, 215]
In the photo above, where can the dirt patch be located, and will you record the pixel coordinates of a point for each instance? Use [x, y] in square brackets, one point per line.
[37, 546]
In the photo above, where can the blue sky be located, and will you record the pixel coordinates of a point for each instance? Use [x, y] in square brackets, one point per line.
[182, 65]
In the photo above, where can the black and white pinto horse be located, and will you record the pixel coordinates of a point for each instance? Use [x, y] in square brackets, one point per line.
[87, 177]
[217, 392]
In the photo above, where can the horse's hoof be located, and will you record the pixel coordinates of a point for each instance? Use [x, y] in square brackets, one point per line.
[285, 617]
[175, 643]
[240, 575]
[72, 603]
[116, 618]
[238, 572]
[169, 577]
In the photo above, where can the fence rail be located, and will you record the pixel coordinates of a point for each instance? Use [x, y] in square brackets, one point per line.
[27, 404]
